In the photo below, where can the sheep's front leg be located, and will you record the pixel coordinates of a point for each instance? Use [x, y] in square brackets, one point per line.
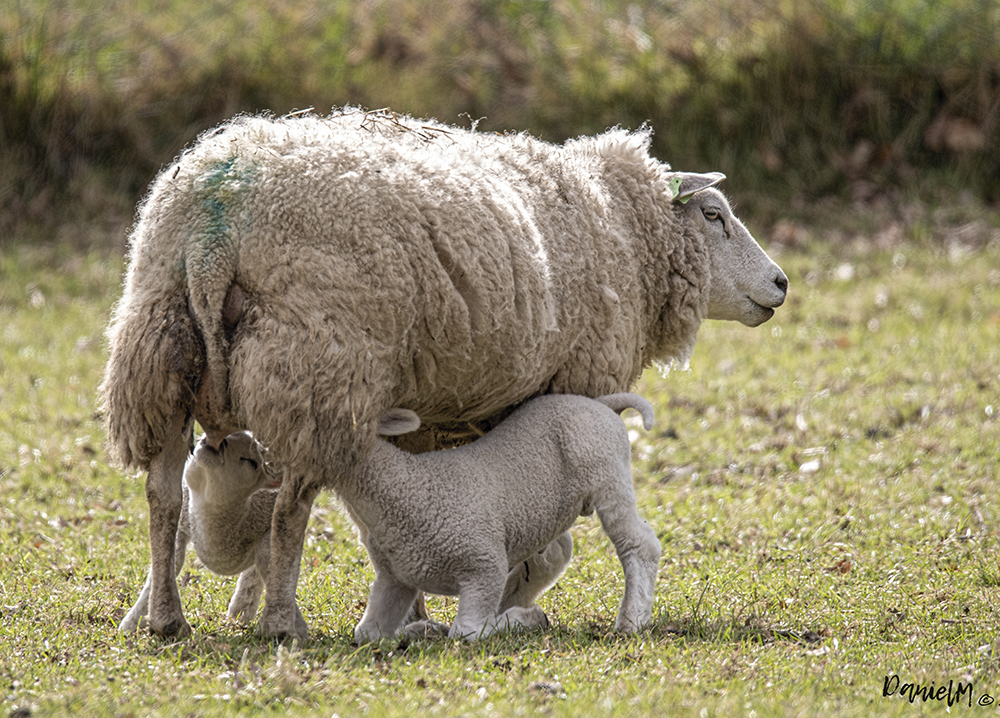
[281, 617]
[164, 496]
[531, 578]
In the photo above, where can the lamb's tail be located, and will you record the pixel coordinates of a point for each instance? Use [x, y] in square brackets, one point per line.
[619, 402]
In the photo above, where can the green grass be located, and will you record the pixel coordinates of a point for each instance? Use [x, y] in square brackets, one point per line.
[824, 487]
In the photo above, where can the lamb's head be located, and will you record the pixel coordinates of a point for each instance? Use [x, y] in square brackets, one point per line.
[746, 284]
[230, 473]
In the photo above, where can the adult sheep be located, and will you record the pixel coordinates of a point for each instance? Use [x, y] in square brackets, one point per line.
[298, 276]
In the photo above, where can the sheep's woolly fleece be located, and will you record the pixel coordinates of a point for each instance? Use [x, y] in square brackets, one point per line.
[388, 262]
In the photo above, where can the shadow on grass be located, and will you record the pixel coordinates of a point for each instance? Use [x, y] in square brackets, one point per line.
[231, 646]
[727, 631]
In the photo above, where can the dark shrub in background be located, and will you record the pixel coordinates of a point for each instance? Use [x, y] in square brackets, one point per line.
[793, 100]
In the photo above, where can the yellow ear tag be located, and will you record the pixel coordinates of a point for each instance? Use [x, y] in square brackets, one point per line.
[674, 185]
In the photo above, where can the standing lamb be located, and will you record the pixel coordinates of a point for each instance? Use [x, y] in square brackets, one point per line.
[226, 513]
[462, 521]
[296, 277]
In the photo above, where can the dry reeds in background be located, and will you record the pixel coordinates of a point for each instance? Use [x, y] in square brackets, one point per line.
[793, 100]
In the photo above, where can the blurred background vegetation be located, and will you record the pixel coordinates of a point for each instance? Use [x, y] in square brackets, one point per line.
[795, 100]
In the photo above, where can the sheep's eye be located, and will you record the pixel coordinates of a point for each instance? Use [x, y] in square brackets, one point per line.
[253, 464]
[711, 214]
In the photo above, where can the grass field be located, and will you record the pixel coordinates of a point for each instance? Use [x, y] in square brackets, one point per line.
[824, 487]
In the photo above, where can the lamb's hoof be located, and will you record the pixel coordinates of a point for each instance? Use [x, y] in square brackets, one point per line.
[132, 623]
[241, 617]
[634, 625]
[426, 628]
[524, 618]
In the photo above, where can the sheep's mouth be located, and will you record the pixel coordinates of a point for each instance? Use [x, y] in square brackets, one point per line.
[764, 313]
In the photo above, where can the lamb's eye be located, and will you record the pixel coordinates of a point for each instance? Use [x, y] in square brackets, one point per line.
[253, 464]
[711, 214]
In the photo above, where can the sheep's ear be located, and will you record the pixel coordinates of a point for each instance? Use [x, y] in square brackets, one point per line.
[398, 421]
[685, 184]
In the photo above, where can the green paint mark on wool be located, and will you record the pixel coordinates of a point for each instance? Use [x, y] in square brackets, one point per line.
[221, 187]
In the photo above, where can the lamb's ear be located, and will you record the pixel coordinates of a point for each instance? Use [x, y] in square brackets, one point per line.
[194, 477]
[685, 184]
[398, 421]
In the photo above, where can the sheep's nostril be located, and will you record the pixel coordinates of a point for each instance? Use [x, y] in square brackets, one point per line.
[782, 282]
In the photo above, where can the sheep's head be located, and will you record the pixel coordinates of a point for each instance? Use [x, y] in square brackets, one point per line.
[230, 473]
[746, 284]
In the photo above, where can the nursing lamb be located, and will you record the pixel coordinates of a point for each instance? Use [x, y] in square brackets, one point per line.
[462, 521]
[226, 515]
[298, 276]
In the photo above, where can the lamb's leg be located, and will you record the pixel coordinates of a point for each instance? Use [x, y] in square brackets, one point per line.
[246, 597]
[250, 584]
[136, 617]
[243, 605]
[478, 603]
[388, 603]
[638, 550]
[281, 617]
[164, 496]
[418, 610]
[531, 578]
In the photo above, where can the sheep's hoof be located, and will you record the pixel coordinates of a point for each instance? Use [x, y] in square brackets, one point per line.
[177, 628]
[278, 631]
[301, 627]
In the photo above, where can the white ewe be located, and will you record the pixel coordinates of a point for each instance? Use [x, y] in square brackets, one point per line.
[297, 277]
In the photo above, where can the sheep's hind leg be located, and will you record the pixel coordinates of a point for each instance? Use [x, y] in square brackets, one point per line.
[164, 496]
[136, 617]
[532, 577]
[281, 616]
[638, 550]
